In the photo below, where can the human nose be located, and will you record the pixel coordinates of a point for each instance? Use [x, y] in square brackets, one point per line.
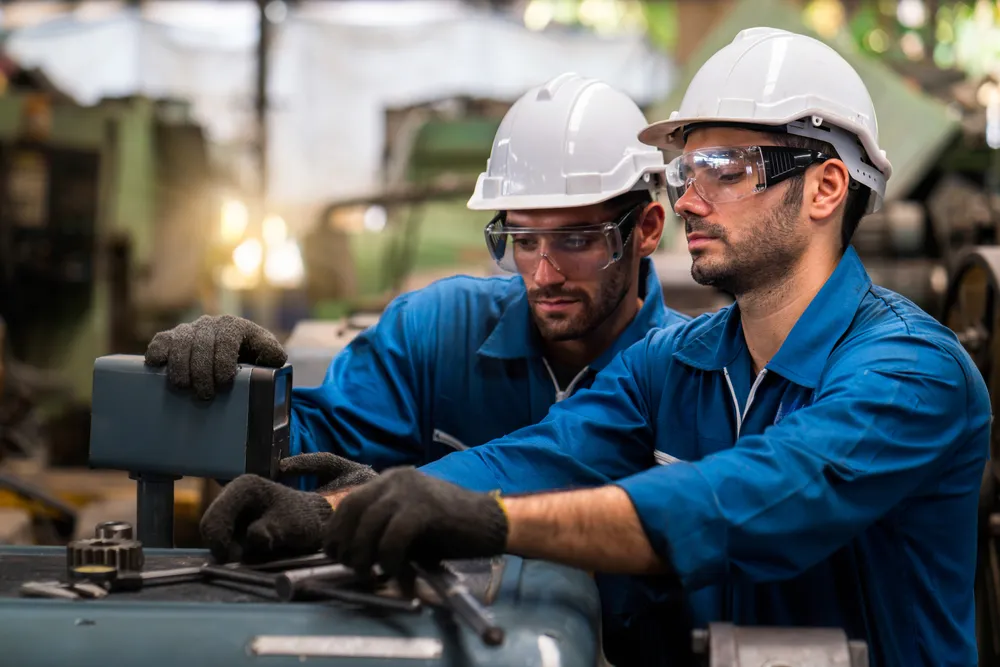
[547, 273]
[692, 203]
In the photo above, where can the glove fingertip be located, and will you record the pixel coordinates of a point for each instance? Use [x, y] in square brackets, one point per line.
[158, 350]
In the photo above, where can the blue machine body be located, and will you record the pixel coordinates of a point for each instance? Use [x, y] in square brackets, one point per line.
[551, 615]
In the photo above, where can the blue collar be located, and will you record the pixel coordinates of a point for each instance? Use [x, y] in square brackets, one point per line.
[805, 351]
[515, 335]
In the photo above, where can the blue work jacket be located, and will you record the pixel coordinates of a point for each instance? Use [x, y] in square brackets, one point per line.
[452, 366]
[447, 367]
[837, 487]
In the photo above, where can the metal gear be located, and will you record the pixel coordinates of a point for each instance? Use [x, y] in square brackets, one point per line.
[121, 554]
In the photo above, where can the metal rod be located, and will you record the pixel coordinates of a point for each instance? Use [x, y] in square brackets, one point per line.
[242, 576]
[155, 510]
[284, 564]
[462, 603]
[134, 581]
[312, 589]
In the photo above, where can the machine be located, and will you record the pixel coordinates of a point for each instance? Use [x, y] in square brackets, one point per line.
[114, 598]
[972, 311]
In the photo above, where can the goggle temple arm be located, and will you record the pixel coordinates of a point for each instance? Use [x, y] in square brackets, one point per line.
[496, 245]
[781, 162]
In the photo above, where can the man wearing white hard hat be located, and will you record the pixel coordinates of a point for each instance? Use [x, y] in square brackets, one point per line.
[810, 456]
[573, 199]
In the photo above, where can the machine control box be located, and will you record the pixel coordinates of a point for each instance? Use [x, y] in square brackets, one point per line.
[141, 424]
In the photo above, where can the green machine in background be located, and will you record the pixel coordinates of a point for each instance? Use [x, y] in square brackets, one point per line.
[415, 227]
[86, 194]
[103, 210]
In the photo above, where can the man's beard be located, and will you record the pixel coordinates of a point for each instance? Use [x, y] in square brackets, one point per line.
[771, 247]
[594, 311]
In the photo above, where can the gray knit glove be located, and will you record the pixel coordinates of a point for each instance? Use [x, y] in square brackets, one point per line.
[205, 354]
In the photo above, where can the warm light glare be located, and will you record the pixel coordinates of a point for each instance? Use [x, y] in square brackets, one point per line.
[912, 45]
[274, 230]
[878, 40]
[284, 267]
[232, 278]
[375, 218]
[826, 17]
[234, 220]
[538, 14]
[248, 256]
[601, 15]
[911, 13]
[987, 94]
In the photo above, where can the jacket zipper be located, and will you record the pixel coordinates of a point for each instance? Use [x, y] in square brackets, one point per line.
[736, 403]
[448, 440]
[727, 588]
[560, 394]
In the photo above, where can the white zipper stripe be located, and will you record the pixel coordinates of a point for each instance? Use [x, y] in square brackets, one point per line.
[753, 391]
[560, 394]
[664, 459]
[448, 440]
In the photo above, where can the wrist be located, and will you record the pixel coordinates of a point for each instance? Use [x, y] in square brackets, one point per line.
[333, 498]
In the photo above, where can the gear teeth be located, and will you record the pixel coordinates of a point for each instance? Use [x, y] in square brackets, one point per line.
[118, 553]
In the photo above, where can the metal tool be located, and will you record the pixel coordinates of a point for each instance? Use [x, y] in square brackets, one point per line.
[324, 582]
[463, 604]
[135, 581]
[209, 572]
[113, 530]
[62, 590]
[287, 563]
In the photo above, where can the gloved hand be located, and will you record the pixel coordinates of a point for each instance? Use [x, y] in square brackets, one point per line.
[204, 354]
[332, 472]
[405, 515]
[256, 519]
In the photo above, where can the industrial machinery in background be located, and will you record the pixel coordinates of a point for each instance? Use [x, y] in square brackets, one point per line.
[105, 213]
[415, 227]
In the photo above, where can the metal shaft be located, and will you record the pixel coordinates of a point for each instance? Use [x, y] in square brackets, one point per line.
[134, 581]
[297, 562]
[462, 603]
[312, 589]
[241, 576]
[155, 510]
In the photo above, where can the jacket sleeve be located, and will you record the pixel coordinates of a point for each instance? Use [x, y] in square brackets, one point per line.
[368, 408]
[884, 419]
[595, 436]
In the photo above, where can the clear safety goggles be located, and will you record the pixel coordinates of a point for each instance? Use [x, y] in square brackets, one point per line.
[726, 174]
[573, 251]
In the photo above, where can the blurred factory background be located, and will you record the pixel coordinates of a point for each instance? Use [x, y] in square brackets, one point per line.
[308, 160]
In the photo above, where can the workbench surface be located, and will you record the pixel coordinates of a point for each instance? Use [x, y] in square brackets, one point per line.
[548, 611]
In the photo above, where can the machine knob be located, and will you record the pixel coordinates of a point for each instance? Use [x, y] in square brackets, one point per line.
[113, 530]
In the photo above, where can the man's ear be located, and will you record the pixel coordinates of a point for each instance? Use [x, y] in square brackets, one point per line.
[649, 228]
[826, 190]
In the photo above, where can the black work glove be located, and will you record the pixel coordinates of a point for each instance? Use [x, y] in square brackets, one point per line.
[405, 515]
[332, 472]
[204, 354]
[256, 519]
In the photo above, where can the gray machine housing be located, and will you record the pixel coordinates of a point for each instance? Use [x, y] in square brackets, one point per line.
[313, 344]
[141, 425]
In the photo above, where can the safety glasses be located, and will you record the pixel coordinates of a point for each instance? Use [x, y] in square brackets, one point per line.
[573, 251]
[726, 174]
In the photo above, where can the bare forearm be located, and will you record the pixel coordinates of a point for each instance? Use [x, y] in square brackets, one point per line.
[593, 529]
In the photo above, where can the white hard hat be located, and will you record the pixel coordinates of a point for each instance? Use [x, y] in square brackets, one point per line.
[570, 142]
[772, 77]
